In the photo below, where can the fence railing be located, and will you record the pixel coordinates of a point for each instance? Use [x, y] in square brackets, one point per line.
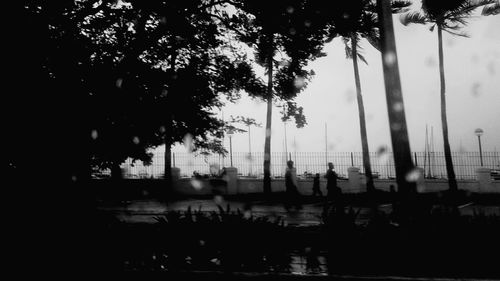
[433, 163]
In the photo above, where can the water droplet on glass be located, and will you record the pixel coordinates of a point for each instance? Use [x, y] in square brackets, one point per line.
[196, 184]
[164, 93]
[119, 82]
[476, 89]
[430, 61]
[398, 106]
[188, 142]
[201, 242]
[73, 178]
[163, 20]
[218, 199]
[162, 129]
[292, 31]
[307, 23]
[413, 175]
[290, 9]
[247, 214]
[249, 157]
[350, 95]
[136, 140]
[345, 15]
[299, 82]
[214, 169]
[94, 134]
[396, 126]
[267, 157]
[390, 58]
[268, 132]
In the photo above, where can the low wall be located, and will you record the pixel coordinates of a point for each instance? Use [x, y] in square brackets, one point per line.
[245, 186]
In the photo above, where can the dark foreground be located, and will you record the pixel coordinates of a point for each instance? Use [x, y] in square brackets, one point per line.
[238, 243]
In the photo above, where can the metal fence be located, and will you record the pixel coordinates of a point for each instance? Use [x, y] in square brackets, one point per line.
[433, 163]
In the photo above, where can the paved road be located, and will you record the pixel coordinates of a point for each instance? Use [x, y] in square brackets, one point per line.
[147, 210]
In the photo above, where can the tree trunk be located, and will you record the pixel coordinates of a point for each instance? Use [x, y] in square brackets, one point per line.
[362, 122]
[169, 130]
[267, 143]
[452, 182]
[395, 109]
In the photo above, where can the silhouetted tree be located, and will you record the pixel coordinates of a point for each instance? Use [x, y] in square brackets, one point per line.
[450, 16]
[288, 30]
[354, 20]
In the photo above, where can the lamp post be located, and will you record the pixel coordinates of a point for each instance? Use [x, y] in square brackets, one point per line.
[230, 134]
[479, 132]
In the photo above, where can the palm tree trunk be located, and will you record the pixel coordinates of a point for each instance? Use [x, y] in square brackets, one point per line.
[452, 182]
[395, 106]
[267, 143]
[362, 122]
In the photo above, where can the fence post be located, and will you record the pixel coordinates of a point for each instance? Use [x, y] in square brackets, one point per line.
[353, 179]
[483, 179]
[232, 180]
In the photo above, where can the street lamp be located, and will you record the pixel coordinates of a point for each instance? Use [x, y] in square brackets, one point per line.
[479, 133]
[230, 134]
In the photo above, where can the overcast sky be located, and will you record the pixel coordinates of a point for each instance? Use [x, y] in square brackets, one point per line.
[472, 68]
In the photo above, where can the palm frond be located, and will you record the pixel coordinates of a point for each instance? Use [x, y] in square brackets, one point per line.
[362, 58]
[413, 17]
[374, 39]
[457, 33]
[466, 8]
[400, 6]
[492, 9]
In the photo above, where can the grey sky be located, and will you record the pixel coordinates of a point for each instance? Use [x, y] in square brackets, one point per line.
[472, 68]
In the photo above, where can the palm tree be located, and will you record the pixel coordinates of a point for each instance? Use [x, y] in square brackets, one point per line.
[354, 20]
[449, 16]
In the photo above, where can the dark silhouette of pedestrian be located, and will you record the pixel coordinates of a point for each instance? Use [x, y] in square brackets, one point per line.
[333, 191]
[316, 187]
[292, 196]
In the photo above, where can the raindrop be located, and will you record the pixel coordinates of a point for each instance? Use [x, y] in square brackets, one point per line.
[307, 250]
[345, 15]
[267, 157]
[398, 106]
[202, 242]
[214, 169]
[249, 157]
[430, 61]
[307, 23]
[162, 129]
[119, 82]
[292, 31]
[396, 126]
[476, 89]
[247, 214]
[218, 199]
[491, 68]
[73, 178]
[289, 9]
[94, 134]
[350, 95]
[196, 184]
[164, 93]
[188, 142]
[268, 132]
[413, 175]
[383, 154]
[390, 58]
[136, 140]
[299, 82]
[163, 20]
